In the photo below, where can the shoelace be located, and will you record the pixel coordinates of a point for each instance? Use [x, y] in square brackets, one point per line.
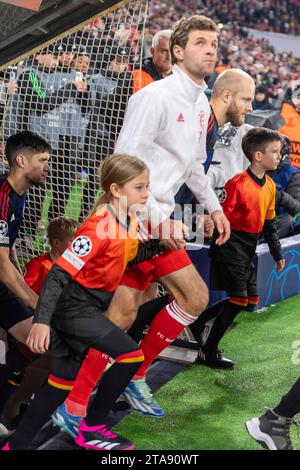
[289, 421]
[105, 432]
[145, 391]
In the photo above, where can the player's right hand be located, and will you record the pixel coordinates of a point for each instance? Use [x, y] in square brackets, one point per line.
[39, 338]
[172, 233]
[222, 225]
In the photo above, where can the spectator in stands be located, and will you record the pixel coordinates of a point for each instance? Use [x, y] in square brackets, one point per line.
[8, 87]
[66, 49]
[158, 65]
[81, 62]
[278, 16]
[93, 40]
[287, 179]
[47, 104]
[261, 99]
[290, 112]
[112, 88]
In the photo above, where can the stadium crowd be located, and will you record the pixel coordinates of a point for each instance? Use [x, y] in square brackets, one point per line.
[271, 69]
[265, 15]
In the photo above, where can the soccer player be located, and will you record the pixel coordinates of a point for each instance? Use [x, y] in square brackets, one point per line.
[250, 207]
[232, 95]
[28, 157]
[166, 125]
[74, 300]
[272, 429]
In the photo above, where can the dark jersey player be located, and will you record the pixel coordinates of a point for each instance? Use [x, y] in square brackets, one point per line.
[28, 155]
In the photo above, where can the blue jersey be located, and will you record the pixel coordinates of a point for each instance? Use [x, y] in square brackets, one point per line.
[11, 213]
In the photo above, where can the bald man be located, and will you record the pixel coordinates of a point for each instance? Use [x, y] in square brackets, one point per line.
[232, 97]
[231, 101]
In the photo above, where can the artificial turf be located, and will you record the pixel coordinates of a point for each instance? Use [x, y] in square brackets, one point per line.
[206, 408]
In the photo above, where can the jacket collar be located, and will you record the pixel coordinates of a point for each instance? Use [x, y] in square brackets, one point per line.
[191, 89]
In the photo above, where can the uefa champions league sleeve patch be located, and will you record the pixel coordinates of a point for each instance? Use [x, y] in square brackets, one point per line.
[82, 246]
[3, 228]
[223, 196]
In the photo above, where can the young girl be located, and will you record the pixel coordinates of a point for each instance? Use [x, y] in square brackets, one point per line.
[74, 299]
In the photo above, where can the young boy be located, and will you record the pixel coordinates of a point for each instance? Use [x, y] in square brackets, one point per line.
[60, 234]
[250, 207]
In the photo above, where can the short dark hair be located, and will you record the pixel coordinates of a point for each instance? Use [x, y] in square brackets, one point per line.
[257, 139]
[183, 27]
[25, 140]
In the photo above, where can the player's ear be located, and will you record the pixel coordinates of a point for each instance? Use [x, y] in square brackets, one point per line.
[178, 52]
[20, 160]
[115, 190]
[257, 156]
[227, 96]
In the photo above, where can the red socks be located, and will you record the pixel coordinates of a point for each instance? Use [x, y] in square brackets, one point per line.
[87, 378]
[164, 329]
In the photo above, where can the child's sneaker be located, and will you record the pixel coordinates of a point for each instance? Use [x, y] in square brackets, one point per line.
[100, 438]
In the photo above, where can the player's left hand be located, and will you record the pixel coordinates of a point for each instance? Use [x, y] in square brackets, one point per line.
[280, 265]
[39, 338]
[222, 225]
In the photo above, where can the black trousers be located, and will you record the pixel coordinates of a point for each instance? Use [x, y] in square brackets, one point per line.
[115, 343]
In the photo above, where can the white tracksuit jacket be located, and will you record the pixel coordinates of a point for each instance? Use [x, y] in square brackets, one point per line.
[165, 126]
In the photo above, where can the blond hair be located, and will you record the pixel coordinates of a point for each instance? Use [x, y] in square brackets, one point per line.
[119, 168]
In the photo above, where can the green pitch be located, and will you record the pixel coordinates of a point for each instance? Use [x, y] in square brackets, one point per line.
[206, 409]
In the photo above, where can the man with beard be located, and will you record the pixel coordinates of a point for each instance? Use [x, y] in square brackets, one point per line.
[231, 100]
[28, 156]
